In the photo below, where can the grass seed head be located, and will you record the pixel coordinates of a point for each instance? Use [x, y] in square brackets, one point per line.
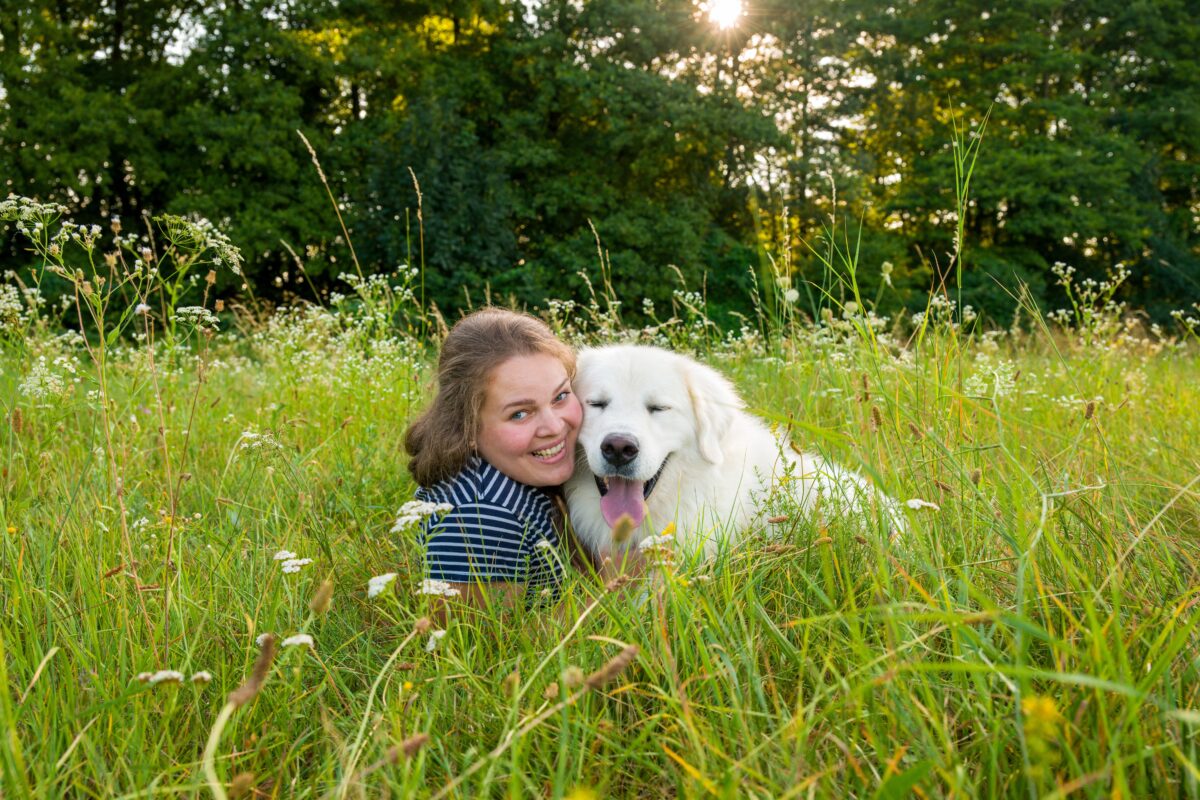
[262, 666]
[408, 748]
[615, 666]
[623, 529]
[320, 601]
[242, 784]
[572, 677]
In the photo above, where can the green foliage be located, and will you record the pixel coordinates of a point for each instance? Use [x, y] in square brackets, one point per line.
[686, 147]
[171, 497]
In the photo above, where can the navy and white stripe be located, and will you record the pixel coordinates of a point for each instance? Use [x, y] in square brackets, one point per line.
[492, 532]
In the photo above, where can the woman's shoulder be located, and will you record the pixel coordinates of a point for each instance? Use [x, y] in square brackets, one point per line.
[477, 483]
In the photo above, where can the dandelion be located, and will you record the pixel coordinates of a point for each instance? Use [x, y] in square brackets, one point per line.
[917, 503]
[299, 640]
[376, 585]
[142, 309]
[293, 565]
[203, 676]
[434, 637]
[436, 587]
[791, 296]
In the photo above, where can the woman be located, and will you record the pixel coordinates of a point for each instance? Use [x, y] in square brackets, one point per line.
[496, 443]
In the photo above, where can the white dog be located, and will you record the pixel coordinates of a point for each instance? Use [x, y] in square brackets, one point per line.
[664, 439]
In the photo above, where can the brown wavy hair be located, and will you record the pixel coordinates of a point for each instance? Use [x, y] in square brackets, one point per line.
[442, 439]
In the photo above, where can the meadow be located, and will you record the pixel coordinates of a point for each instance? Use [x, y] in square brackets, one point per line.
[185, 479]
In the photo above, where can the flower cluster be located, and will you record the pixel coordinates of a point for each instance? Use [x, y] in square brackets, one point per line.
[414, 511]
[250, 440]
[42, 384]
[436, 587]
[198, 235]
[198, 317]
[379, 583]
[172, 676]
[290, 563]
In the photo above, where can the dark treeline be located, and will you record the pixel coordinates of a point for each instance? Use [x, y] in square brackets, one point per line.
[689, 147]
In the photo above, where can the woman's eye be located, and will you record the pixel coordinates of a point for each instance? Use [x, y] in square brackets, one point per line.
[519, 415]
[601, 404]
[563, 395]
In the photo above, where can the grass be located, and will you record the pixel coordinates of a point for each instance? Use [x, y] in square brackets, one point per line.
[1034, 636]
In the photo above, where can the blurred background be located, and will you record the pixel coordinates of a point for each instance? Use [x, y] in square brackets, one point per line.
[719, 141]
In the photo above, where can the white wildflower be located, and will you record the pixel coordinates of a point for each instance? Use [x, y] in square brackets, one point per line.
[250, 440]
[791, 295]
[656, 541]
[294, 565]
[376, 585]
[917, 503]
[41, 383]
[433, 586]
[543, 544]
[300, 639]
[165, 676]
[141, 308]
[434, 638]
[284, 555]
[203, 676]
[414, 511]
[261, 639]
[197, 316]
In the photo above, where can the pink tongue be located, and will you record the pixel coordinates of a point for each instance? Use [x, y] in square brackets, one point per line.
[623, 497]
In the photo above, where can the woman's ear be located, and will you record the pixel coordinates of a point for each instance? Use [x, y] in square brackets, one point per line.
[714, 403]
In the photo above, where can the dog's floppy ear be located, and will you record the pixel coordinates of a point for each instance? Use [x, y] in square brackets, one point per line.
[714, 402]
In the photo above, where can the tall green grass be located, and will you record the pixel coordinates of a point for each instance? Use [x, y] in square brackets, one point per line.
[1034, 635]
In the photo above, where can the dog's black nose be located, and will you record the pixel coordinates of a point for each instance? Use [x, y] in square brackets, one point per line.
[619, 450]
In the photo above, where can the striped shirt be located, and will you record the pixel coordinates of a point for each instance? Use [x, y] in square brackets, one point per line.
[497, 530]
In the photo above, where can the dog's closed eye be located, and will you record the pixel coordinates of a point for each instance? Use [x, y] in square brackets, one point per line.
[600, 404]
[655, 408]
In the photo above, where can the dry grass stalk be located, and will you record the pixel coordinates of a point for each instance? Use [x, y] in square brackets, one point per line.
[242, 784]
[321, 600]
[623, 529]
[262, 665]
[615, 666]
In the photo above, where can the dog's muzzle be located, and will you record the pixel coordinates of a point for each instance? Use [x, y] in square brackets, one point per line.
[624, 497]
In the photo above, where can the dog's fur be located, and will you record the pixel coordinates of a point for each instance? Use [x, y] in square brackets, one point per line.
[672, 416]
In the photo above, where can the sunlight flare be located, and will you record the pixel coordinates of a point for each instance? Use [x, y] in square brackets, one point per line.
[724, 13]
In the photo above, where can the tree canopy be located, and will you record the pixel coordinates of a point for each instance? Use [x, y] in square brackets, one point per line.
[489, 137]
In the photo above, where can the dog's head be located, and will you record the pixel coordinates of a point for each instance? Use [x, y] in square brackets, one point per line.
[644, 407]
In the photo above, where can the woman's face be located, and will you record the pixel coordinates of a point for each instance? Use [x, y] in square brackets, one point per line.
[530, 420]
